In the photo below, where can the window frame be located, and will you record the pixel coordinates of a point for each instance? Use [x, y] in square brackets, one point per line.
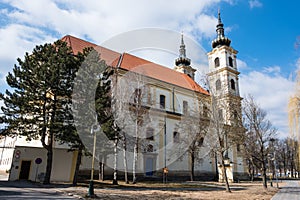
[162, 101]
[232, 84]
[217, 62]
[150, 134]
[230, 61]
[185, 107]
[218, 85]
[176, 136]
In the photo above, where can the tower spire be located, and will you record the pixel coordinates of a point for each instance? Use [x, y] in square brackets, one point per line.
[182, 63]
[221, 39]
[219, 17]
[182, 59]
[182, 51]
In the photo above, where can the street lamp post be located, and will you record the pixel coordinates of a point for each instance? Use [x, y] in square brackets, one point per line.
[165, 171]
[275, 170]
[272, 140]
[94, 130]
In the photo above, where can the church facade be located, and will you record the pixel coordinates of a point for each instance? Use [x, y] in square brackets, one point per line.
[173, 123]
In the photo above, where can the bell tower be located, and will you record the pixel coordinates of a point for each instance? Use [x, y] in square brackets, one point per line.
[182, 63]
[223, 76]
[223, 73]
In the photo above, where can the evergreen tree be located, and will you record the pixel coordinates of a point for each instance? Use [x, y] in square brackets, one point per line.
[93, 98]
[38, 106]
[105, 113]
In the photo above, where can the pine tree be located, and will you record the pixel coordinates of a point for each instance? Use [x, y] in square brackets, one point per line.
[105, 113]
[93, 98]
[38, 104]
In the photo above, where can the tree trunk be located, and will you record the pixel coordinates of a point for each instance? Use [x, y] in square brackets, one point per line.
[252, 173]
[78, 163]
[49, 158]
[115, 175]
[253, 170]
[192, 166]
[280, 172]
[292, 165]
[135, 158]
[49, 165]
[135, 154]
[101, 169]
[225, 175]
[264, 176]
[49, 147]
[125, 159]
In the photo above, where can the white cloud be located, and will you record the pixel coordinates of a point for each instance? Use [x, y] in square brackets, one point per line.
[255, 4]
[33, 22]
[298, 64]
[272, 92]
[272, 70]
[101, 19]
[15, 40]
[241, 64]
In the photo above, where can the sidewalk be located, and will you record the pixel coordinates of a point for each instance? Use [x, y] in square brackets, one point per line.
[3, 176]
[290, 191]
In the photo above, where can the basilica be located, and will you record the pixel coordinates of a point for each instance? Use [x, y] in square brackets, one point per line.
[176, 135]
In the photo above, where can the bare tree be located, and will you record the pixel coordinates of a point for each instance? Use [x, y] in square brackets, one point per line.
[282, 156]
[132, 114]
[192, 128]
[259, 132]
[224, 128]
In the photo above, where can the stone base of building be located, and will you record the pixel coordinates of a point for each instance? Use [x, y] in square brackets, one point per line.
[172, 176]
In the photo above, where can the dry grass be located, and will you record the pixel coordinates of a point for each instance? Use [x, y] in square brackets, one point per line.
[186, 190]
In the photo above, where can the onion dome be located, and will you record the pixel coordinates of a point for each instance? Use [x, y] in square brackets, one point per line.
[182, 59]
[221, 39]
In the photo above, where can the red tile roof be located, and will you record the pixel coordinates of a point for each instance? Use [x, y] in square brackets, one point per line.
[136, 64]
[111, 57]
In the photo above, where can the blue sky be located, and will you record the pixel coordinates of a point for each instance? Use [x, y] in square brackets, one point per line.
[263, 31]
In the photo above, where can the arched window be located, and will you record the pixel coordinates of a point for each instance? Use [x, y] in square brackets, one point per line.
[217, 62]
[162, 101]
[150, 148]
[218, 84]
[137, 96]
[235, 115]
[200, 142]
[232, 84]
[175, 137]
[230, 62]
[220, 114]
[185, 107]
[150, 134]
[205, 111]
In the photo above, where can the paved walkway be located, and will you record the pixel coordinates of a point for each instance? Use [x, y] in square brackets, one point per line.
[25, 190]
[290, 191]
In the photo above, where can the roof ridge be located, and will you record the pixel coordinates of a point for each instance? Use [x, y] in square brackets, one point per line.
[129, 61]
[77, 38]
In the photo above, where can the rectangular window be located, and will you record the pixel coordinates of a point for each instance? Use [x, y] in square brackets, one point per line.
[238, 148]
[175, 137]
[162, 101]
[185, 107]
[137, 96]
[150, 134]
[220, 113]
[205, 111]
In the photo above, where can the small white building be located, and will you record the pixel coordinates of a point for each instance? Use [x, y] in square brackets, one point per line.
[27, 160]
